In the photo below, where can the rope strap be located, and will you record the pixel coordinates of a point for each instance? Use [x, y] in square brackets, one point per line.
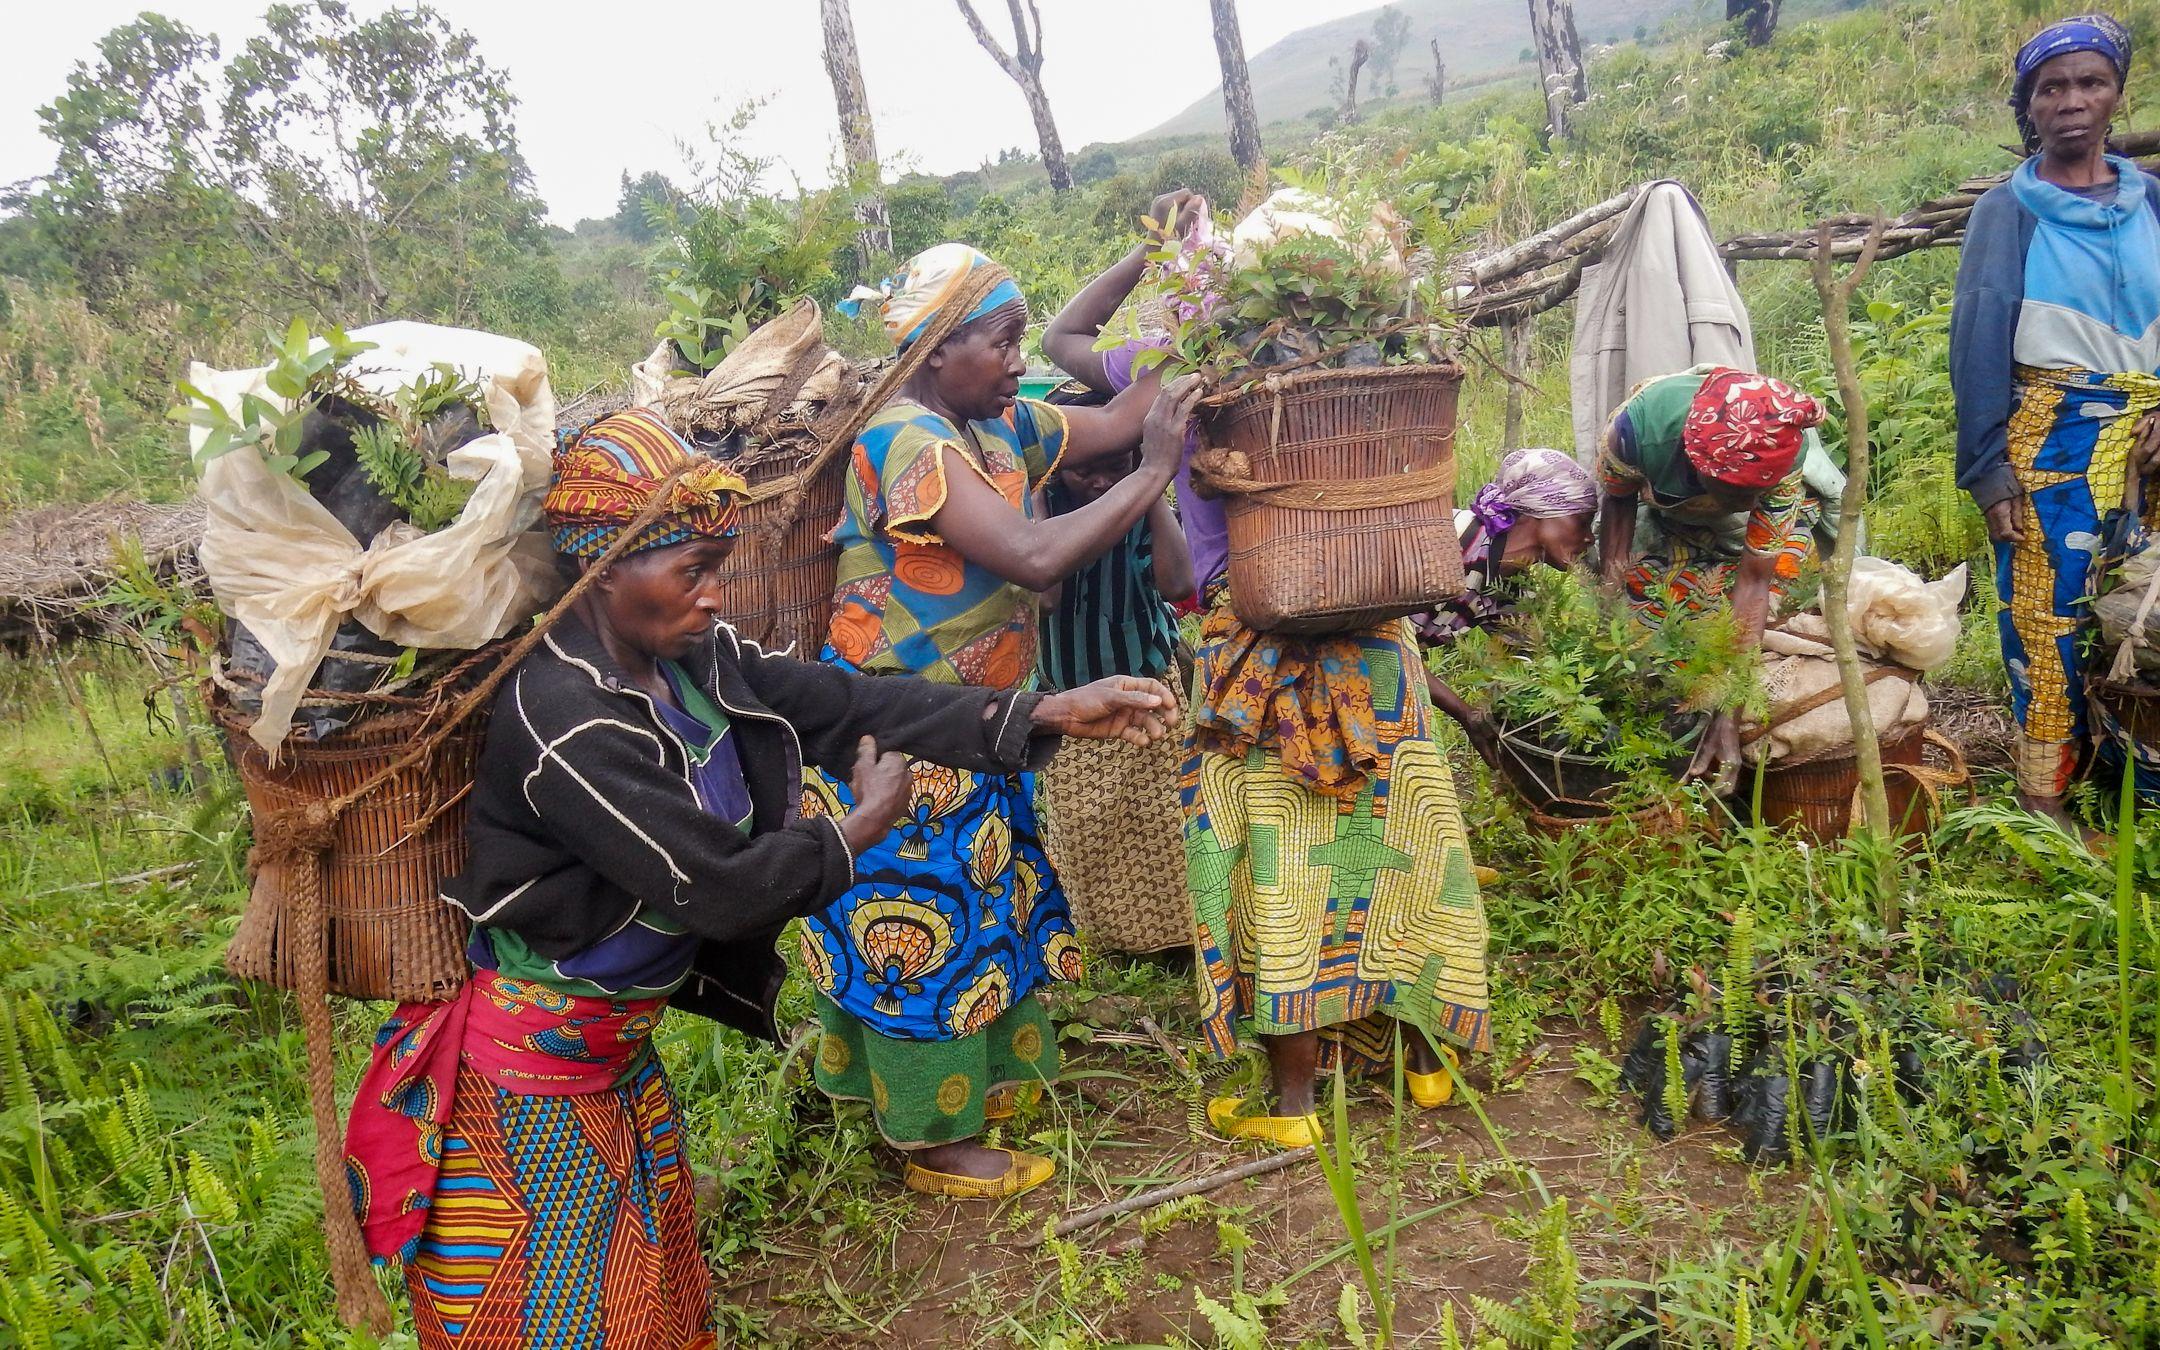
[1228, 473]
[1823, 698]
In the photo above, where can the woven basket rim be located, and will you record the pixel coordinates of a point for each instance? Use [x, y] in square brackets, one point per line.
[1438, 372]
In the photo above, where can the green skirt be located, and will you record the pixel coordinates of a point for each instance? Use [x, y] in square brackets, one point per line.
[925, 1093]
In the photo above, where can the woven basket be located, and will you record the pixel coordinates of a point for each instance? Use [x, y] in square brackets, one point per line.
[1816, 797]
[778, 591]
[1299, 570]
[390, 933]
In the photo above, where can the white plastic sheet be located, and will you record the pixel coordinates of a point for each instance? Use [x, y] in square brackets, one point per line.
[280, 563]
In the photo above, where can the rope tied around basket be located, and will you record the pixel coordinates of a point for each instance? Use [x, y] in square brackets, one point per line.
[1228, 473]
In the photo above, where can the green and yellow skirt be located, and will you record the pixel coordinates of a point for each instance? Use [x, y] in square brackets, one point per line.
[925, 1093]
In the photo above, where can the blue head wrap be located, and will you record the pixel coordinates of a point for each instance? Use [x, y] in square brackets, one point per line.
[2081, 33]
[932, 282]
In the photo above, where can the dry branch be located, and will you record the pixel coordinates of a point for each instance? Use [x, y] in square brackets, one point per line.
[1207, 1181]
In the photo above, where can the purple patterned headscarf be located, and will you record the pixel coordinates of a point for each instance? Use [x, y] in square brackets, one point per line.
[2082, 33]
[1534, 485]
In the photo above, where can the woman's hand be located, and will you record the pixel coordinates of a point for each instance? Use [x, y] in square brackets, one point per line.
[2003, 525]
[880, 785]
[1484, 735]
[1717, 752]
[1162, 436]
[1174, 213]
[2145, 450]
[1121, 707]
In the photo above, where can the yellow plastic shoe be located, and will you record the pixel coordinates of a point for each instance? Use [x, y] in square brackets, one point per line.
[1023, 1172]
[1435, 1089]
[1281, 1131]
[1005, 1103]
[1486, 876]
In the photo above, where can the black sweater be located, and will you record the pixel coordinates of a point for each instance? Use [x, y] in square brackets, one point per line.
[583, 809]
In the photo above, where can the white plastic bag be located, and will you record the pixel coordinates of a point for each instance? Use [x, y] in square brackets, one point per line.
[1898, 617]
[280, 563]
[1291, 212]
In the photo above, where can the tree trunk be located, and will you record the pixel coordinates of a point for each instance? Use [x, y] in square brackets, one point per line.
[1837, 297]
[1359, 55]
[1757, 19]
[1560, 63]
[858, 138]
[1023, 65]
[1237, 97]
[1515, 335]
[1436, 83]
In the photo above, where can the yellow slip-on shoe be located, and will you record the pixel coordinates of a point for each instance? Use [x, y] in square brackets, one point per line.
[1281, 1131]
[1023, 1172]
[1437, 1088]
[1486, 876]
[1005, 1103]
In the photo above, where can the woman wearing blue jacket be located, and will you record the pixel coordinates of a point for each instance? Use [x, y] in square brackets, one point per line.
[2055, 362]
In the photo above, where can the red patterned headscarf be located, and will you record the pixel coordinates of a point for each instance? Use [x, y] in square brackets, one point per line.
[1745, 429]
[606, 476]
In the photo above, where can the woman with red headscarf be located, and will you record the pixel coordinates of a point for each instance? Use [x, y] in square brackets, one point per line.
[1703, 502]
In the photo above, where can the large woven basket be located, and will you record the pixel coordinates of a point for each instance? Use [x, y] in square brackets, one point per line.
[1816, 797]
[779, 586]
[1298, 569]
[390, 935]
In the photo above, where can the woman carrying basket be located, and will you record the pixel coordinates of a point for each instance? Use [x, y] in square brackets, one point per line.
[1327, 860]
[2055, 363]
[926, 969]
[635, 842]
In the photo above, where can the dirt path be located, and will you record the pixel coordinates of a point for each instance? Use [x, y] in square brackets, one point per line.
[953, 1273]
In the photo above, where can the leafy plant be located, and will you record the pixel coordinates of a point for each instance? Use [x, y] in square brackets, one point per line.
[302, 366]
[404, 459]
[1575, 668]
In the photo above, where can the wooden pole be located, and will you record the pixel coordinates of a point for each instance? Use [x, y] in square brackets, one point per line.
[1837, 297]
[1161, 1195]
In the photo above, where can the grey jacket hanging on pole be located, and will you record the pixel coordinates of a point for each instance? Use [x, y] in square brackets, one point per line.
[1659, 301]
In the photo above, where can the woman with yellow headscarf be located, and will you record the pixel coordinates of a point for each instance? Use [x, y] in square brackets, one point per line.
[926, 970]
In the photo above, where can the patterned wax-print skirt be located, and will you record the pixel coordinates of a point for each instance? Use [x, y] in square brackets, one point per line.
[2070, 435]
[1689, 568]
[562, 1221]
[955, 916]
[925, 1093]
[1112, 824]
[1320, 912]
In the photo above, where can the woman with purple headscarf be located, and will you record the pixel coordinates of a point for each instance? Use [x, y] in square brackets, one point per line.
[2055, 365]
[1538, 508]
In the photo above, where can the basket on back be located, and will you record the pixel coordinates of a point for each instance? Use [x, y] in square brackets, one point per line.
[388, 932]
[775, 409]
[1340, 493]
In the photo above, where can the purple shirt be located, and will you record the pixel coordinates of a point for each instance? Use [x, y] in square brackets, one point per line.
[1206, 522]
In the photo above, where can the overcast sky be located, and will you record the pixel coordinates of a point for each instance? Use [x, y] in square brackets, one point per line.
[613, 87]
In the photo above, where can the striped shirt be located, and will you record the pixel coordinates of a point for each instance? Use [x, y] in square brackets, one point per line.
[1111, 619]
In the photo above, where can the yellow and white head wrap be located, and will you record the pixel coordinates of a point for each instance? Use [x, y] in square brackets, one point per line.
[933, 279]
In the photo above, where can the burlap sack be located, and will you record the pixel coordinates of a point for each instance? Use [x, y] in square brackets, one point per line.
[733, 395]
[1799, 666]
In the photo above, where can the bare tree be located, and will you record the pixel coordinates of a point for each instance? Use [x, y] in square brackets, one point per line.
[1757, 19]
[1359, 54]
[1023, 64]
[1436, 83]
[1560, 63]
[858, 137]
[1237, 96]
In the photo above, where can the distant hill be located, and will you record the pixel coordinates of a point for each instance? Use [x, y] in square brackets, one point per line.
[1480, 39]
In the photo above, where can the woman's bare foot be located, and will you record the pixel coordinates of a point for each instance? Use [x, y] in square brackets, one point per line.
[963, 1158]
[1292, 1063]
[2051, 807]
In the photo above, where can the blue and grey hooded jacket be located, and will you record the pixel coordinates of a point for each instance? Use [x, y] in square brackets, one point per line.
[2053, 279]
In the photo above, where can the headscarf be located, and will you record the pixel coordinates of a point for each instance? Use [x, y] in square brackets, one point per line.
[1745, 429]
[1534, 484]
[932, 281]
[606, 475]
[2082, 33]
